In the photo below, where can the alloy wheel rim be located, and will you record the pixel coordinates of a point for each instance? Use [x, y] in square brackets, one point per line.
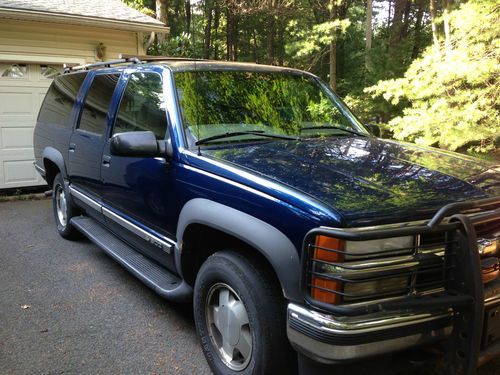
[228, 326]
[61, 205]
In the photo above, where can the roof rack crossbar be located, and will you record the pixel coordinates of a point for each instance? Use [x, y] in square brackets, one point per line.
[149, 58]
[105, 64]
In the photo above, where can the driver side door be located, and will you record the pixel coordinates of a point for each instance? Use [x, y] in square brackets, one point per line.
[138, 190]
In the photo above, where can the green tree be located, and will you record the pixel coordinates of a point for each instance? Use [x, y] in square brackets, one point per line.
[453, 89]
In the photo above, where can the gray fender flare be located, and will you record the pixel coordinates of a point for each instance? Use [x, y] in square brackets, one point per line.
[269, 241]
[56, 157]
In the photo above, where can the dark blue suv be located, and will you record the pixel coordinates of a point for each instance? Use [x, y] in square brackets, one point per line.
[255, 193]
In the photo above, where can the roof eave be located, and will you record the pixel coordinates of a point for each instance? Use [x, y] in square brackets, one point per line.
[31, 15]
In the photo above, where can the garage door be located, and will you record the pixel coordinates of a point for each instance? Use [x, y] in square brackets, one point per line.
[22, 89]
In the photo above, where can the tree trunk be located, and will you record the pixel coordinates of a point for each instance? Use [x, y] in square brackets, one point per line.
[208, 29]
[406, 18]
[333, 47]
[229, 45]
[162, 16]
[446, 23]
[418, 29]
[187, 6]
[216, 30]
[255, 46]
[432, 11]
[368, 32]
[234, 32]
[389, 13]
[270, 39]
[397, 24]
[281, 42]
[333, 65]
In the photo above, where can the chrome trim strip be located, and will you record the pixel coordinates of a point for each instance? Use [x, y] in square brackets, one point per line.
[237, 184]
[376, 266]
[401, 224]
[395, 298]
[163, 244]
[369, 323]
[39, 169]
[492, 300]
[328, 353]
[277, 186]
[488, 246]
[346, 326]
[86, 199]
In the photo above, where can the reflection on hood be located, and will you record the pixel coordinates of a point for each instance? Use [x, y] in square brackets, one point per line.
[363, 177]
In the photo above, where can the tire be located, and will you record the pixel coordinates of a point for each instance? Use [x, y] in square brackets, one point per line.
[64, 209]
[240, 317]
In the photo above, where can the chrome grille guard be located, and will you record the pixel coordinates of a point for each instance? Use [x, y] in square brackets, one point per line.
[459, 288]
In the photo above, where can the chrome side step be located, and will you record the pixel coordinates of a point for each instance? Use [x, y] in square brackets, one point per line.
[162, 281]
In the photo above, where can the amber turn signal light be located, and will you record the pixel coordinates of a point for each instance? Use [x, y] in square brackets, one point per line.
[327, 256]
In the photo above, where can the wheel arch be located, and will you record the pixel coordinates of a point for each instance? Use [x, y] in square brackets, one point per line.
[235, 228]
[53, 163]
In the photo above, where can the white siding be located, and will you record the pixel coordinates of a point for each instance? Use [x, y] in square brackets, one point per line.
[45, 40]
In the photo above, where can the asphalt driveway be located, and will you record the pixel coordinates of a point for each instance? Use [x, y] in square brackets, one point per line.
[67, 308]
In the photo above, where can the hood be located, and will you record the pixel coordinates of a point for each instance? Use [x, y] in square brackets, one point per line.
[363, 177]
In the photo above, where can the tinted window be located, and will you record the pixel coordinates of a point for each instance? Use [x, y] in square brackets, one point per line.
[142, 106]
[58, 103]
[217, 102]
[95, 110]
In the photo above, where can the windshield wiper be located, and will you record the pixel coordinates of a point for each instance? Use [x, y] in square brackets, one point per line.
[235, 134]
[333, 127]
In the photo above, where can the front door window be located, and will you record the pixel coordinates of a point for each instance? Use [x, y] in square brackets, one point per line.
[142, 107]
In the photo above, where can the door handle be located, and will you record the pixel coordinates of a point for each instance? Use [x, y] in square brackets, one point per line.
[106, 160]
[72, 147]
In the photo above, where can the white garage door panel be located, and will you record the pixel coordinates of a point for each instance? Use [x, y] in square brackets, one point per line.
[19, 171]
[14, 138]
[20, 100]
[15, 103]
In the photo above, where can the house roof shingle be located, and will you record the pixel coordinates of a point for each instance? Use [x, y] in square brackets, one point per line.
[101, 9]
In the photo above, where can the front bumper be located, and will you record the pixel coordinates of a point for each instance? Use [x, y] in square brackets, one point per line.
[462, 311]
[328, 339]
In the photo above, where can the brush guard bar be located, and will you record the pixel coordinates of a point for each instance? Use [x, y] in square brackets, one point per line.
[462, 292]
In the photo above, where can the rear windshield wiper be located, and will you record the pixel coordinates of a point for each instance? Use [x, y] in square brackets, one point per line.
[235, 134]
[333, 127]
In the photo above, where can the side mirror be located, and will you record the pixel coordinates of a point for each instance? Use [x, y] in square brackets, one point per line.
[139, 144]
[373, 129]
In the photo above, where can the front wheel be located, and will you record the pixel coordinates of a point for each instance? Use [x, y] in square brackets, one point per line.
[240, 317]
[64, 209]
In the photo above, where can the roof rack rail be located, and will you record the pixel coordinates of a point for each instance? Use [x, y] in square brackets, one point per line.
[147, 58]
[105, 64]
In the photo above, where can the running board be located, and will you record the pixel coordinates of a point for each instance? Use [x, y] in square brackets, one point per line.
[162, 281]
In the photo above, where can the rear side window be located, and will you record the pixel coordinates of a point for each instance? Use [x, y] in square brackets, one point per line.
[95, 109]
[58, 103]
[142, 106]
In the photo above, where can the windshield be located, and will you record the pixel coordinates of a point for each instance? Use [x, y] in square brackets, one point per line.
[237, 106]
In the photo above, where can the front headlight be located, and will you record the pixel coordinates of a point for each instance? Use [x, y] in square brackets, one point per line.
[365, 289]
[333, 258]
[386, 246]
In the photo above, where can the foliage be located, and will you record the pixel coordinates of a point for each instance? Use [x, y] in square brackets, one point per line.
[254, 99]
[453, 91]
[446, 96]
[143, 6]
[179, 46]
[308, 44]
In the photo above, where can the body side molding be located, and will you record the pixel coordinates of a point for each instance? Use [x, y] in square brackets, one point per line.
[166, 244]
[269, 241]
